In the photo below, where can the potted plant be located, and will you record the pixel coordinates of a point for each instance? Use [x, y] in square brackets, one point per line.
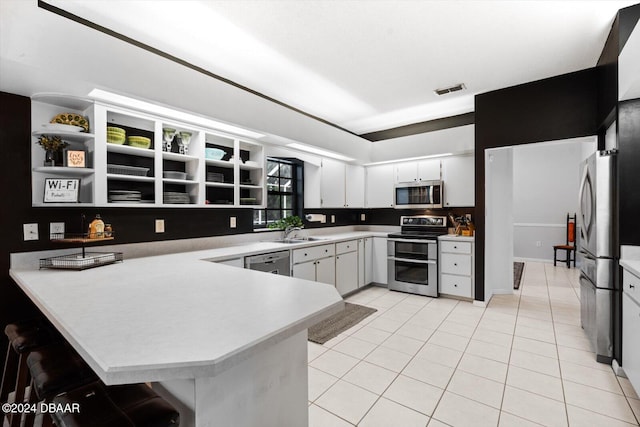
[53, 146]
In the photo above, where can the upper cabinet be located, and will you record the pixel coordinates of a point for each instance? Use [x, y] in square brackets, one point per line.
[380, 181]
[137, 159]
[458, 180]
[333, 184]
[423, 170]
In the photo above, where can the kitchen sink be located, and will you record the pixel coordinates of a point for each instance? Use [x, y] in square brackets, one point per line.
[298, 240]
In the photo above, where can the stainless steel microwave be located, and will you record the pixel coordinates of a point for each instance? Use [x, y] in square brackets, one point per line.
[419, 195]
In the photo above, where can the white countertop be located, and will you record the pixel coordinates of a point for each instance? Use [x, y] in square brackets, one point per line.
[175, 316]
[456, 238]
[631, 265]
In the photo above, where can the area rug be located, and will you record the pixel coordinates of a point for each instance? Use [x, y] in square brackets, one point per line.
[518, 267]
[331, 327]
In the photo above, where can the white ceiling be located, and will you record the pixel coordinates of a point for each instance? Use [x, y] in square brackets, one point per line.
[368, 65]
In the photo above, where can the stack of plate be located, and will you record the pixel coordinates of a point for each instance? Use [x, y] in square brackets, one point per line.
[124, 196]
[115, 135]
[215, 177]
[139, 141]
[176, 197]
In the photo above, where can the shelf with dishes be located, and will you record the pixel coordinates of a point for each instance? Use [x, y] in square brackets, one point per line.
[134, 158]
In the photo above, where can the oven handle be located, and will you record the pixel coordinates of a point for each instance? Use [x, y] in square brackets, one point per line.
[412, 240]
[413, 261]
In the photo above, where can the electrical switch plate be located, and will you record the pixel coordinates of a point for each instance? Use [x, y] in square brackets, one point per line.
[363, 217]
[333, 219]
[159, 225]
[30, 231]
[232, 222]
[56, 230]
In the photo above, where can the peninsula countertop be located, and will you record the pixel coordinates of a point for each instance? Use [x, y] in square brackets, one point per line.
[174, 316]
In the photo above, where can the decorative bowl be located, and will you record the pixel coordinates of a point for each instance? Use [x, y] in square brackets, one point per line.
[72, 119]
[139, 141]
[214, 153]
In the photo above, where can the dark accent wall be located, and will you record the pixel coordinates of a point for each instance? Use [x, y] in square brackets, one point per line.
[422, 127]
[556, 108]
[628, 176]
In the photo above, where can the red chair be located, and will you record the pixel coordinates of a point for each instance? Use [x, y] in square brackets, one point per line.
[570, 246]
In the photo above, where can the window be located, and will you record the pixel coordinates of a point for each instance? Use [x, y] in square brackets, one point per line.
[284, 192]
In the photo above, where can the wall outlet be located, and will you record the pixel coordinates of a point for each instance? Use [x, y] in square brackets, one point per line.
[468, 216]
[159, 225]
[333, 219]
[56, 230]
[363, 217]
[232, 222]
[30, 231]
[538, 243]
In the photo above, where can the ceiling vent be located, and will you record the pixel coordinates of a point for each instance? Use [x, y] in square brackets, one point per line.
[446, 90]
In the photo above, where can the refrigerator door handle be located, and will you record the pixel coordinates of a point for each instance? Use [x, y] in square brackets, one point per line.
[586, 227]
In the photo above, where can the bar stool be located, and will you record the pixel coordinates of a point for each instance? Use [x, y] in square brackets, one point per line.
[23, 338]
[55, 369]
[141, 406]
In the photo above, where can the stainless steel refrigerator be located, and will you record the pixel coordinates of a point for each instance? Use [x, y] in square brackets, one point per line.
[599, 250]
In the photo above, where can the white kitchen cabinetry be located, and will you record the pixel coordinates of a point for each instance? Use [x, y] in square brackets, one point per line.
[342, 185]
[354, 186]
[459, 181]
[379, 186]
[379, 257]
[235, 262]
[456, 266]
[422, 170]
[312, 186]
[368, 260]
[362, 253]
[156, 177]
[332, 184]
[315, 263]
[347, 266]
[43, 109]
[631, 327]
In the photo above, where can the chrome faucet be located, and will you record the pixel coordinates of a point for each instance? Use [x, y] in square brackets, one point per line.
[288, 231]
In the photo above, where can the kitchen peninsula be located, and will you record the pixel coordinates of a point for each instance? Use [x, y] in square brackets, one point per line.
[226, 346]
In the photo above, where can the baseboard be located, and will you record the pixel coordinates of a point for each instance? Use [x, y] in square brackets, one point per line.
[617, 369]
[481, 304]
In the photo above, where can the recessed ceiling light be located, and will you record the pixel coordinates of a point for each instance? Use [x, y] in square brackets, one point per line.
[446, 90]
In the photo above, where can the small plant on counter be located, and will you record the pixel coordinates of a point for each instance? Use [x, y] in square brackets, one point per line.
[286, 222]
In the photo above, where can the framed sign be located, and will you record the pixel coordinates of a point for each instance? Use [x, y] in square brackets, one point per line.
[61, 190]
[75, 158]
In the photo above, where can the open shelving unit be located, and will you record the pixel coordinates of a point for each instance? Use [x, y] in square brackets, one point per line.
[235, 180]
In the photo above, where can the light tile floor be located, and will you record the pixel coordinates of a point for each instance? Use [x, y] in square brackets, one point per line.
[418, 361]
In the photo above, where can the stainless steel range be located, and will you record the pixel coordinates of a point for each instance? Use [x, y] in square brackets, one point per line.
[412, 254]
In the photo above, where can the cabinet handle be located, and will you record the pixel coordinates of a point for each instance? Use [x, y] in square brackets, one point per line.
[631, 286]
[455, 263]
[455, 285]
[455, 247]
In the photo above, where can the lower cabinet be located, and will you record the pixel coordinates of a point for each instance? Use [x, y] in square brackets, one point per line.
[456, 266]
[315, 263]
[347, 266]
[236, 262]
[631, 329]
[320, 270]
[368, 260]
[379, 260]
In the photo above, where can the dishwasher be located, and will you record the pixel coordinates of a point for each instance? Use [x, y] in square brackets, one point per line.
[273, 262]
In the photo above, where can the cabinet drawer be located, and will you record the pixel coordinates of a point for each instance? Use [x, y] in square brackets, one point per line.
[631, 285]
[456, 247]
[313, 252]
[455, 264]
[630, 342]
[455, 285]
[344, 247]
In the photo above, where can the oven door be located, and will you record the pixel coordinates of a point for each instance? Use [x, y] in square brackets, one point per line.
[413, 276]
